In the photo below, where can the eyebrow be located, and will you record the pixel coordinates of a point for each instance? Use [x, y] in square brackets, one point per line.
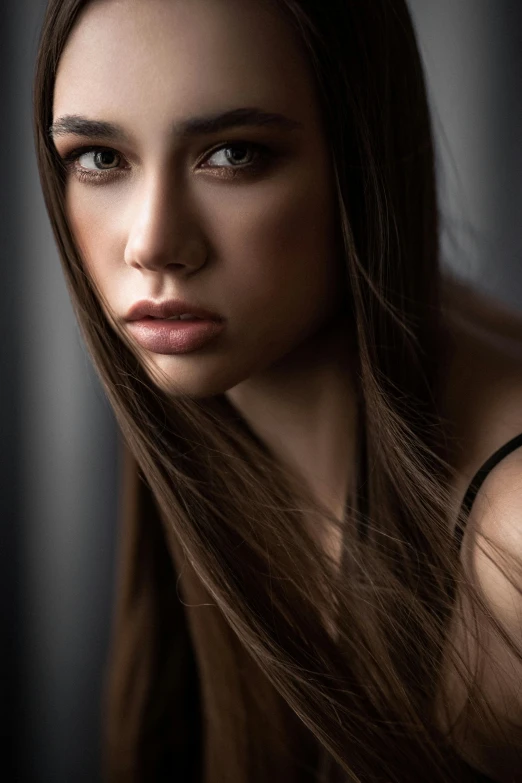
[193, 126]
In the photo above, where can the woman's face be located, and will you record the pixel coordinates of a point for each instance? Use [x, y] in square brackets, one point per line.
[237, 219]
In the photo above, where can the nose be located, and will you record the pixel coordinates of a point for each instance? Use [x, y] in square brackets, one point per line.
[163, 231]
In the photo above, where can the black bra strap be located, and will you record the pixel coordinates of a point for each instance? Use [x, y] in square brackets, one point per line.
[479, 478]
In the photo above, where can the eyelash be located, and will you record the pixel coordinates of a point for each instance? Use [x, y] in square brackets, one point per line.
[263, 154]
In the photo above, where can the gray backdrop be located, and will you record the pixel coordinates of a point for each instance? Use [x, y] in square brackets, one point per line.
[59, 453]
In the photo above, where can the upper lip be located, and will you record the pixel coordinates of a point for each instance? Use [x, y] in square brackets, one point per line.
[166, 309]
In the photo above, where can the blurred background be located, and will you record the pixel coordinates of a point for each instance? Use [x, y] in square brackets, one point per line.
[59, 454]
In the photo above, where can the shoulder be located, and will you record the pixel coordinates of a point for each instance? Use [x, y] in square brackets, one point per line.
[492, 558]
[485, 398]
[487, 637]
[493, 551]
[485, 403]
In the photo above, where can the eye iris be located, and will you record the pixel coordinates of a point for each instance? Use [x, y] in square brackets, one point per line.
[101, 157]
[237, 153]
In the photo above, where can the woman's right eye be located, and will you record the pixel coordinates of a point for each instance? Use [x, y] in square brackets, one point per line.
[101, 157]
[98, 156]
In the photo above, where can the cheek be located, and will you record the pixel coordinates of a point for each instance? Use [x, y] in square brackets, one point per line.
[280, 245]
[93, 227]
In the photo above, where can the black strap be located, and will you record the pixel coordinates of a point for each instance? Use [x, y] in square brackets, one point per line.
[469, 498]
[479, 478]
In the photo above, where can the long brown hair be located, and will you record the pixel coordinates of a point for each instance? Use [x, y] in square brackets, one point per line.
[239, 654]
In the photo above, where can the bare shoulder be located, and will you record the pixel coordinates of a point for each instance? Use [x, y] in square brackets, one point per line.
[495, 524]
[485, 398]
[492, 558]
[485, 381]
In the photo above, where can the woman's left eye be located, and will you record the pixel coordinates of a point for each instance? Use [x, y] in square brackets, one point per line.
[238, 155]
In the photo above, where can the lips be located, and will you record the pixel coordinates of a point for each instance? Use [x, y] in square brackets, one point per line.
[173, 307]
[175, 337]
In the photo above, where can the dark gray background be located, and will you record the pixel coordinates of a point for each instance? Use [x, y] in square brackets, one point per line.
[59, 455]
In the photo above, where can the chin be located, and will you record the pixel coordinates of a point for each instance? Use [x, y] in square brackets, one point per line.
[194, 382]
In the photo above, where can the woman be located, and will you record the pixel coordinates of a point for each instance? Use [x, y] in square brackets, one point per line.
[298, 600]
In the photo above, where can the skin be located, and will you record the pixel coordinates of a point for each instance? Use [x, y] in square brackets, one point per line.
[483, 396]
[260, 249]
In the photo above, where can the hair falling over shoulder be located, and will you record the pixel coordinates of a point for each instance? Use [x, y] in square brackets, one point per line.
[240, 654]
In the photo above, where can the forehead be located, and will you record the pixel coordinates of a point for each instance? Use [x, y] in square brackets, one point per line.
[151, 59]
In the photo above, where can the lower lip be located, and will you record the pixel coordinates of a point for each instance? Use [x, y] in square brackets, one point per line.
[161, 336]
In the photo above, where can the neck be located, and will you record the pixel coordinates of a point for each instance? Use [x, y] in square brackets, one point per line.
[304, 409]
